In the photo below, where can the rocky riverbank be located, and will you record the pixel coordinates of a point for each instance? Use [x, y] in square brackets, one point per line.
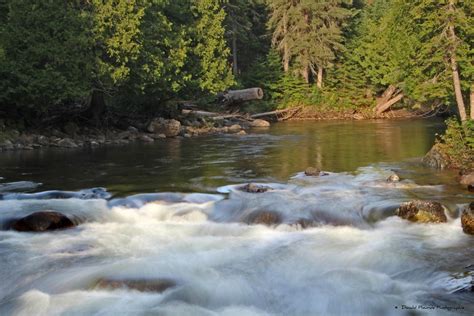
[71, 135]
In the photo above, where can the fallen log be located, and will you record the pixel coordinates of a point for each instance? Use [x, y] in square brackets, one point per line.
[212, 115]
[379, 109]
[237, 96]
[386, 95]
[291, 111]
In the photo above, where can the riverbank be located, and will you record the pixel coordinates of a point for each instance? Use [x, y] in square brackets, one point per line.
[73, 135]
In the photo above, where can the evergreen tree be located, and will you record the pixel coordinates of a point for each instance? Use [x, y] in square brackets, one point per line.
[47, 54]
[214, 73]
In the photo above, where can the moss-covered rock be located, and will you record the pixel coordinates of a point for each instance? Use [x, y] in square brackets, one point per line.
[422, 212]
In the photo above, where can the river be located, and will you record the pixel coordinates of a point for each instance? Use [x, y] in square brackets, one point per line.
[356, 259]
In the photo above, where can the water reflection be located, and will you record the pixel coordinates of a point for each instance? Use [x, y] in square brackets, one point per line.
[204, 163]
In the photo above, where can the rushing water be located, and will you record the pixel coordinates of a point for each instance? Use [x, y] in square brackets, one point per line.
[357, 260]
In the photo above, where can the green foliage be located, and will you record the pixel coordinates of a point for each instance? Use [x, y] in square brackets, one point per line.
[405, 44]
[459, 143]
[215, 74]
[309, 33]
[47, 54]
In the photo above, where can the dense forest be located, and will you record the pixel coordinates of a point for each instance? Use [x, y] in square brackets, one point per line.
[139, 56]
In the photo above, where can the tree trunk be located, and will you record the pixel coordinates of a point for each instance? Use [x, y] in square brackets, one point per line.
[472, 101]
[286, 51]
[235, 67]
[97, 107]
[305, 73]
[454, 68]
[320, 77]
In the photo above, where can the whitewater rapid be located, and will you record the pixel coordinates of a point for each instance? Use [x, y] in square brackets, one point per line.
[358, 259]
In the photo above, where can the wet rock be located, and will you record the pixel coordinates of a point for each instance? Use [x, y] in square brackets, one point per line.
[141, 285]
[422, 212]
[467, 219]
[267, 218]
[393, 178]
[241, 133]
[170, 128]
[67, 143]
[437, 158]
[254, 188]
[470, 188]
[234, 128]
[312, 172]
[259, 123]
[186, 135]
[42, 221]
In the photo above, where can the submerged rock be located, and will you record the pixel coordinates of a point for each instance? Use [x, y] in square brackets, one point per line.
[254, 188]
[312, 172]
[268, 218]
[422, 212]
[42, 221]
[141, 285]
[467, 219]
[437, 158]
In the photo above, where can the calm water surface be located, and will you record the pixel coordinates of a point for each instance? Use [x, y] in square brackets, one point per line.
[204, 163]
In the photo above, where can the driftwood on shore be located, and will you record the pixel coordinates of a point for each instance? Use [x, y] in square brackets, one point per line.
[390, 96]
[239, 96]
[278, 115]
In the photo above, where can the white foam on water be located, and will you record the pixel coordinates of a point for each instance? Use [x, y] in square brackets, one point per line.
[221, 266]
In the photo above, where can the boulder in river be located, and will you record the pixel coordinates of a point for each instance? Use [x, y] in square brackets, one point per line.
[312, 172]
[422, 212]
[141, 285]
[268, 218]
[170, 128]
[254, 188]
[393, 178]
[467, 219]
[42, 221]
[437, 157]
